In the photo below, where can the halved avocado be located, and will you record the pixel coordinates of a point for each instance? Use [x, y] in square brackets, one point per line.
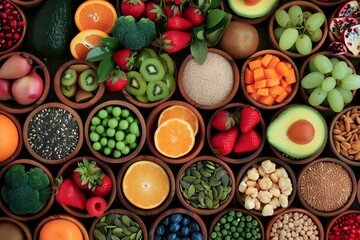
[299, 131]
[260, 9]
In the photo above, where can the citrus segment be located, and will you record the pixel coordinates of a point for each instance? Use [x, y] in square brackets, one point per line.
[84, 41]
[146, 184]
[178, 111]
[100, 15]
[174, 138]
[9, 138]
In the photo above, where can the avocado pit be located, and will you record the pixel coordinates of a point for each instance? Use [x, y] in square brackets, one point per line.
[301, 132]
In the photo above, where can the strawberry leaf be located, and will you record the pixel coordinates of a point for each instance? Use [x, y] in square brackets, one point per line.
[105, 68]
[199, 50]
[113, 43]
[236, 115]
[98, 54]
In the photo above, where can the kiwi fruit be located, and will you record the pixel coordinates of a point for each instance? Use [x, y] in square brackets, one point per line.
[152, 69]
[83, 96]
[68, 91]
[68, 77]
[88, 80]
[170, 81]
[157, 90]
[168, 63]
[144, 54]
[142, 98]
[136, 83]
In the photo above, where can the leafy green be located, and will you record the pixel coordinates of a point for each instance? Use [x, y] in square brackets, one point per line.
[105, 68]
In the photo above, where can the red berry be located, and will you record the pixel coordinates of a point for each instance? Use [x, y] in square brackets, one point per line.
[96, 206]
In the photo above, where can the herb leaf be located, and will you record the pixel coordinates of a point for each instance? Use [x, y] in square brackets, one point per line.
[199, 50]
[113, 43]
[105, 68]
[98, 54]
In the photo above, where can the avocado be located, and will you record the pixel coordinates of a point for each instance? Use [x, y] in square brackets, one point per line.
[298, 132]
[260, 9]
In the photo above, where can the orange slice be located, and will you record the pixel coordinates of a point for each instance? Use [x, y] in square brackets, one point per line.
[174, 138]
[178, 111]
[97, 14]
[146, 184]
[84, 41]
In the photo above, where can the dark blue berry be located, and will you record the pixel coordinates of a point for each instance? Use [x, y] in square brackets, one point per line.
[194, 227]
[171, 236]
[165, 221]
[160, 230]
[176, 217]
[196, 236]
[174, 227]
[185, 220]
[184, 231]
[157, 237]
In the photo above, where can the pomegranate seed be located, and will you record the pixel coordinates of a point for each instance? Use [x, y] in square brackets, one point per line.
[6, 28]
[20, 23]
[16, 36]
[7, 11]
[1, 6]
[15, 12]
[3, 15]
[7, 5]
[9, 18]
[9, 36]
[10, 43]
[2, 40]
[13, 23]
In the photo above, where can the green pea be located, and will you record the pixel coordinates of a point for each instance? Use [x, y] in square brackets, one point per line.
[227, 226]
[243, 218]
[238, 214]
[235, 223]
[119, 135]
[109, 109]
[248, 235]
[107, 151]
[134, 128]
[247, 229]
[104, 122]
[254, 223]
[110, 132]
[133, 145]
[236, 234]
[224, 232]
[100, 129]
[116, 153]
[112, 123]
[103, 114]
[123, 124]
[92, 128]
[242, 224]
[130, 119]
[95, 120]
[96, 146]
[103, 141]
[242, 234]
[232, 229]
[227, 237]
[223, 220]
[116, 111]
[258, 235]
[217, 228]
[231, 213]
[239, 229]
[111, 143]
[125, 113]
[254, 232]
[230, 218]
[213, 235]
[120, 145]
[125, 150]
[94, 136]
[248, 218]
[130, 138]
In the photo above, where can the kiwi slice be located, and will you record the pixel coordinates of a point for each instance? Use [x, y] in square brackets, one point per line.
[152, 69]
[170, 81]
[142, 98]
[168, 63]
[151, 52]
[88, 80]
[144, 54]
[157, 90]
[68, 77]
[68, 91]
[136, 85]
[83, 96]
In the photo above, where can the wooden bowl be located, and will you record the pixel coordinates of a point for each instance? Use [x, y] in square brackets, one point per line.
[332, 221]
[339, 210]
[221, 102]
[66, 171]
[199, 210]
[141, 140]
[279, 163]
[305, 6]
[20, 143]
[234, 158]
[182, 211]
[13, 107]
[28, 4]
[45, 210]
[126, 212]
[23, 227]
[218, 216]
[290, 160]
[334, 149]
[304, 70]
[34, 113]
[315, 220]
[327, 4]
[71, 101]
[72, 219]
[151, 125]
[283, 57]
[127, 204]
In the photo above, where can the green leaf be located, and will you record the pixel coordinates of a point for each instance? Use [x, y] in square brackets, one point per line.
[98, 54]
[198, 32]
[113, 43]
[214, 17]
[199, 50]
[105, 68]
[215, 4]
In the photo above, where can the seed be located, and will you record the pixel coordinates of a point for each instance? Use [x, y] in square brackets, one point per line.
[339, 138]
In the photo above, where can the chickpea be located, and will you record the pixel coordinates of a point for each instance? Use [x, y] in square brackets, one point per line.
[251, 191]
[284, 183]
[284, 202]
[253, 174]
[257, 204]
[268, 210]
[275, 191]
[274, 177]
[249, 203]
[261, 171]
[251, 183]
[264, 196]
[268, 166]
[283, 171]
[265, 183]
[242, 187]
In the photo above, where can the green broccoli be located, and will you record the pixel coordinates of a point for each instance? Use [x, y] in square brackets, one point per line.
[44, 194]
[16, 176]
[38, 179]
[134, 34]
[23, 200]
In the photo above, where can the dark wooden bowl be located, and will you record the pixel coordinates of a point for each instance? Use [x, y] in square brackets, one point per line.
[24, 227]
[328, 4]
[28, 4]
[331, 222]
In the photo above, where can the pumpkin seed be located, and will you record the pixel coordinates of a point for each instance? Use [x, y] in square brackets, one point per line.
[197, 181]
[103, 219]
[225, 180]
[204, 172]
[199, 187]
[139, 235]
[214, 192]
[126, 220]
[97, 234]
[191, 190]
[199, 165]
[205, 185]
[219, 174]
[118, 223]
[103, 230]
[108, 236]
[195, 173]
[118, 229]
[125, 238]
[187, 172]
[133, 229]
[110, 218]
[215, 183]
[103, 237]
[113, 237]
[101, 224]
[111, 226]
[184, 184]
[119, 234]
[208, 203]
[189, 179]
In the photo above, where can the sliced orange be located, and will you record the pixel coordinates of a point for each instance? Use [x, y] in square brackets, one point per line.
[174, 138]
[146, 184]
[84, 41]
[96, 14]
[178, 111]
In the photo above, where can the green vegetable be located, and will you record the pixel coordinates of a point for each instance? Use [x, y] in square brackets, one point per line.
[23, 200]
[38, 179]
[134, 34]
[16, 176]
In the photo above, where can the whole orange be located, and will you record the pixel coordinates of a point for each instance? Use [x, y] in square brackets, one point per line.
[60, 229]
[9, 137]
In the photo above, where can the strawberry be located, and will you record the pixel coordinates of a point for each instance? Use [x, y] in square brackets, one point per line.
[249, 118]
[173, 41]
[223, 142]
[223, 120]
[87, 174]
[194, 15]
[178, 2]
[117, 80]
[153, 11]
[135, 8]
[171, 10]
[247, 142]
[69, 194]
[96, 206]
[103, 187]
[125, 59]
[179, 23]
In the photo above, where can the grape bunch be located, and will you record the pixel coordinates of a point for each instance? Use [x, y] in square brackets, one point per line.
[297, 30]
[330, 82]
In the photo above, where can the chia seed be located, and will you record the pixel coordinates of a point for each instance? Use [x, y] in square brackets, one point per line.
[53, 133]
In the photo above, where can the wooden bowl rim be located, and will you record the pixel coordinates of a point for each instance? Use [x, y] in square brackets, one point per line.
[29, 4]
[333, 220]
[328, 4]
[25, 229]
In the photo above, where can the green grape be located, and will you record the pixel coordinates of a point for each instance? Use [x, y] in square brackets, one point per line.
[346, 94]
[303, 44]
[350, 82]
[312, 67]
[282, 18]
[323, 63]
[317, 96]
[316, 35]
[306, 15]
[314, 21]
[335, 99]
[349, 71]
[333, 60]
[296, 15]
[328, 84]
[339, 70]
[277, 32]
[288, 38]
[312, 80]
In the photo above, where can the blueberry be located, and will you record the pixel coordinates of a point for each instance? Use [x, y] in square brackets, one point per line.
[160, 230]
[165, 221]
[171, 236]
[196, 236]
[185, 220]
[176, 217]
[157, 237]
[184, 231]
[194, 227]
[174, 227]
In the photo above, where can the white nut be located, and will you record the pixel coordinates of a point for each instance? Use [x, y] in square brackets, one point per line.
[284, 172]
[253, 174]
[242, 187]
[261, 171]
[264, 196]
[251, 191]
[268, 210]
[284, 202]
[268, 166]
[275, 202]
[249, 203]
[251, 183]
[284, 183]
[275, 191]
[274, 177]
[257, 204]
[265, 183]
[287, 192]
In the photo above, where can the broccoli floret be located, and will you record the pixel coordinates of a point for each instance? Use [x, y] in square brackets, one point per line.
[16, 176]
[4, 193]
[23, 200]
[44, 194]
[134, 34]
[38, 179]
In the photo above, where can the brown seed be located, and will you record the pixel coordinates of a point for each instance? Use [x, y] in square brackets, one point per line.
[354, 116]
[347, 139]
[344, 152]
[337, 146]
[339, 138]
[342, 126]
[356, 145]
[347, 126]
[350, 157]
[352, 151]
[357, 156]
[348, 114]
[347, 145]
[336, 131]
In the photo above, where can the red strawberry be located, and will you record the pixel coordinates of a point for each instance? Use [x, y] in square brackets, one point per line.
[249, 118]
[178, 2]
[223, 120]
[194, 15]
[223, 142]
[96, 206]
[173, 41]
[104, 187]
[179, 23]
[153, 11]
[87, 174]
[171, 10]
[135, 8]
[125, 59]
[247, 142]
[69, 194]
[117, 80]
